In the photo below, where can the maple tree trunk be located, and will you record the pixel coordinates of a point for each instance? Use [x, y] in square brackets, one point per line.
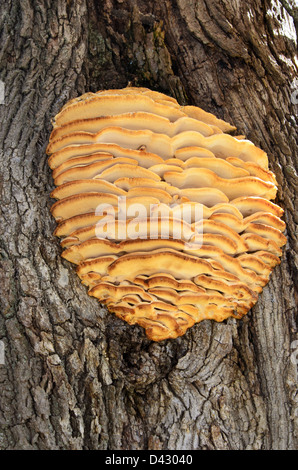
[73, 376]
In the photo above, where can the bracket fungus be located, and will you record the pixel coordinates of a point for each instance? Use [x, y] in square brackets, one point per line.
[168, 218]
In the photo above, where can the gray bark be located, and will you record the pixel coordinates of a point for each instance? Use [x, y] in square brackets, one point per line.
[73, 376]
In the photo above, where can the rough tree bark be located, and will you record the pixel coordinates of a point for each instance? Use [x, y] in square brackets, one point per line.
[74, 376]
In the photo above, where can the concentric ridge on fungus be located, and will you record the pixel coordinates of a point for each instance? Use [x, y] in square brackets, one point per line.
[134, 147]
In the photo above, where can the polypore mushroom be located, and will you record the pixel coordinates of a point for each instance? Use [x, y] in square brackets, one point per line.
[168, 218]
[88, 128]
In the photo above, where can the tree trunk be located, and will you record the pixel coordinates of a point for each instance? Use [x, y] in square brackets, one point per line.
[73, 376]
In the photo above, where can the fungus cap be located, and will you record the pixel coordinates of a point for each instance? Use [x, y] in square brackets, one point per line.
[169, 219]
